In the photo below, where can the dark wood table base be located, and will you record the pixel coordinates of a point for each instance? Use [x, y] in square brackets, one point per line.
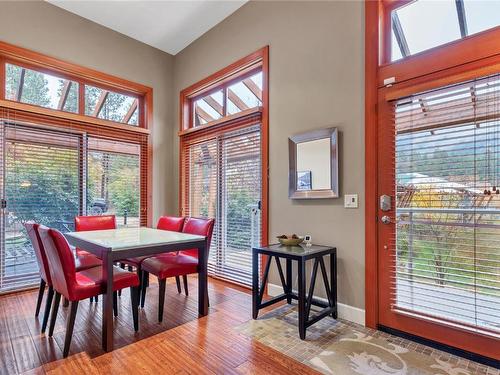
[304, 301]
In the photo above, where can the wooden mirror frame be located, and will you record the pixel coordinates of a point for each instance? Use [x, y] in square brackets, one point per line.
[314, 135]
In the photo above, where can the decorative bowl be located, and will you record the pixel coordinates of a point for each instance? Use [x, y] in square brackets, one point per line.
[290, 240]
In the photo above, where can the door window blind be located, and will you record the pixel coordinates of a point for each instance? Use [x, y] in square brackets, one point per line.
[113, 180]
[52, 171]
[222, 179]
[447, 239]
[40, 182]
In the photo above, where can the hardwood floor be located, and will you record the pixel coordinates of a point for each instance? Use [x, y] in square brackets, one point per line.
[181, 344]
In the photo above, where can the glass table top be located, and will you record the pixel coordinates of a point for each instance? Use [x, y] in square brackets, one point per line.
[296, 250]
[127, 238]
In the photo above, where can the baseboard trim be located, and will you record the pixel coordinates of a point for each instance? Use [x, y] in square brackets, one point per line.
[347, 312]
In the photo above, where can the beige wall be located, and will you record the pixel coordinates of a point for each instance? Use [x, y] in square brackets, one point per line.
[45, 28]
[316, 81]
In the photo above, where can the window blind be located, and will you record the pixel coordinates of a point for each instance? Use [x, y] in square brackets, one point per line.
[51, 173]
[447, 232]
[40, 182]
[222, 179]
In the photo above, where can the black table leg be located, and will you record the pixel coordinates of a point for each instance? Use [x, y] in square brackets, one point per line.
[289, 281]
[202, 280]
[302, 298]
[107, 304]
[333, 282]
[255, 284]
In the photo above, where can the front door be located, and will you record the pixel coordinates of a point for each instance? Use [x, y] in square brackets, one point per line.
[439, 214]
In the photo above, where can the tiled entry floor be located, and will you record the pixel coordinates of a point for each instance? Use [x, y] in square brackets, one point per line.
[342, 347]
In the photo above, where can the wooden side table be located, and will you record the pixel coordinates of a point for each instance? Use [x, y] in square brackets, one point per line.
[301, 254]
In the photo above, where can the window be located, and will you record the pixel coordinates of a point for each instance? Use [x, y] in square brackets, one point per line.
[238, 95]
[445, 21]
[64, 151]
[32, 87]
[109, 105]
[223, 155]
[50, 91]
[448, 204]
[113, 180]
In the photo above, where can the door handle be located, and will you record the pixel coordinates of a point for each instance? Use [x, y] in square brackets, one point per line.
[385, 219]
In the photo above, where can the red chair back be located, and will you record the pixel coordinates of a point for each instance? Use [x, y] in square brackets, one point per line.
[85, 223]
[41, 256]
[202, 227]
[61, 261]
[171, 223]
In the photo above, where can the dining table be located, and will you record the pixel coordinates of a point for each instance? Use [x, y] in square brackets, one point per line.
[113, 245]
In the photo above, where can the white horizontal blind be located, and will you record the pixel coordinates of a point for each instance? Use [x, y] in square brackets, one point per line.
[224, 182]
[50, 175]
[447, 240]
[41, 175]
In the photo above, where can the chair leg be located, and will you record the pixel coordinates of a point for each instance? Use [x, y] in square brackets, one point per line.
[66, 302]
[178, 282]
[91, 299]
[115, 304]
[40, 297]
[162, 284]
[185, 279]
[145, 277]
[48, 302]
[134, 297]
[53, 316]
[69, 327]
[96, 299]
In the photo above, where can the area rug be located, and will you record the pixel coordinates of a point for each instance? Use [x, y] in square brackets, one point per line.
[342, 347]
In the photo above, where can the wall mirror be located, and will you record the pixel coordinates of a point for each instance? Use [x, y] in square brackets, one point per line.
[313, 161]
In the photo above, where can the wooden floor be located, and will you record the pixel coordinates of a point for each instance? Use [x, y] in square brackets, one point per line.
[182, 344]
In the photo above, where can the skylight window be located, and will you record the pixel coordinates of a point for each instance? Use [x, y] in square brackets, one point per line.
[425, 24]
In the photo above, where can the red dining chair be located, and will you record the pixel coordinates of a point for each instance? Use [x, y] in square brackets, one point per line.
[81, 263]
[76, 286]
[170, 223]
[86, 223]
[182, 264]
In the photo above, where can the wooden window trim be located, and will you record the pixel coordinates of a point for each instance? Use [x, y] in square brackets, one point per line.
[110, 129]
[457, 61]
[84, 76]
[235, 71]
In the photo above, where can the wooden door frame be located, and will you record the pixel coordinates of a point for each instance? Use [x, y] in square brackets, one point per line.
[460, 59]
[222, 78]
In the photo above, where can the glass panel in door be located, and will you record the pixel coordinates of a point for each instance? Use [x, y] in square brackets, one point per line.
[40, 183]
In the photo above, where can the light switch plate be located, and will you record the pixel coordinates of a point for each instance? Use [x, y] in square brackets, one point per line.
[351, 201]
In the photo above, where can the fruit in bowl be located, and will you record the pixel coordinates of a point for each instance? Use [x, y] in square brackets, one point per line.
[290, 240]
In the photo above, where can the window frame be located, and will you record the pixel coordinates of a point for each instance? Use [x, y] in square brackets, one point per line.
[245, 67]
[139, 134]
[468, 58]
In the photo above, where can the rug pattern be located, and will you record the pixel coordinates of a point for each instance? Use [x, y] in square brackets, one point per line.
[343, 347]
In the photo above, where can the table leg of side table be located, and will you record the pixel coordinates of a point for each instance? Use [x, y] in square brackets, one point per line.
[333, 282]
[289, 281]
[255, 284]
[302, 298]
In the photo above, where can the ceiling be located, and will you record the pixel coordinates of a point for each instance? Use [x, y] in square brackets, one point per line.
[167, 25]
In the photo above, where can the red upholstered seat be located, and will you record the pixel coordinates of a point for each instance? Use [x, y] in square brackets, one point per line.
[175, 265]
[186, 262]
[171, 223]
[86, 261]
[167, 265]
[41, 257]
[76, 286]
[86, 223]
[67, 281]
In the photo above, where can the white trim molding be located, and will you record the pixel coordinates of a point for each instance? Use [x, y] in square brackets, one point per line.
[347, 312]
